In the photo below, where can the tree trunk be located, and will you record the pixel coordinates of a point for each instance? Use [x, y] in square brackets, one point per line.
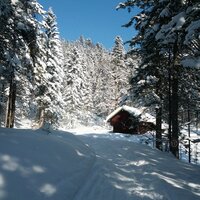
[170, 111]
[2, 107]
[41, 117]
[159, 128]
[169, 100]
[10, 116]
[174, 112]
[174, 102]
[7, 122]
[189, 143]
[13, 106]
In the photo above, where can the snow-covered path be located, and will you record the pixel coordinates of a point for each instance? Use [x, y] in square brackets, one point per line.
[125, 170]
[37, 165]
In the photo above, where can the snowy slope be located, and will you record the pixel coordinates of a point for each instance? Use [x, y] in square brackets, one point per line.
[35, 165]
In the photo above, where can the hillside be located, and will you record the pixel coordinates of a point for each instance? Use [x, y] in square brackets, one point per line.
[60, 165]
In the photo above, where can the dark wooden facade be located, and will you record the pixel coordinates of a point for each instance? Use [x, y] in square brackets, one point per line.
[124, 122]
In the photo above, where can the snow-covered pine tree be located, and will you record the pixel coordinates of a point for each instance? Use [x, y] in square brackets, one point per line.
[171, 35]
[171, 38]
[149, 80]
[189, 98]
[161, 26]
[190, 55]
[103, 91]
[27, 25]
[67, 84]
[16, 37]
[75, 91]
[191, 40]
[6, 11]
[120, 72]
[54, 69]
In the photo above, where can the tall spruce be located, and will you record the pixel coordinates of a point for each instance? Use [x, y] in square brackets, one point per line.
[120, 72]
[54, 69]
[148, 81]
[17, 35]
[75, 91]
[161, 32]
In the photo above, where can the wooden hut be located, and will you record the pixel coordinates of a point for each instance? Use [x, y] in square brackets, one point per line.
[131, 120]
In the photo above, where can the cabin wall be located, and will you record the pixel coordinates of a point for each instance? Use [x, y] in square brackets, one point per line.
[123, 122]
[119, 122]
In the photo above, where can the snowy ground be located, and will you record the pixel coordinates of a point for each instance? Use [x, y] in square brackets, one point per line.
[90, 165]
[194, 146]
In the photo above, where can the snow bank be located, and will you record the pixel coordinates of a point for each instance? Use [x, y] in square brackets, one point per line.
[37, 165]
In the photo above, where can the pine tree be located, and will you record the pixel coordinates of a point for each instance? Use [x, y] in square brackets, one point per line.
[162, 28]
[104, 90]
[75, 91]
[6, 10]
[16, 36]
[120, 72]
[191, 40]
[148, 81]
[54, 69]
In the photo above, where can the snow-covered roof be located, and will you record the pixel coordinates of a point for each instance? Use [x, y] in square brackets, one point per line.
[132, 110]
[146, 117]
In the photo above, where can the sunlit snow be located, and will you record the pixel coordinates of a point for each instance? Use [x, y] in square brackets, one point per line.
[89, 164]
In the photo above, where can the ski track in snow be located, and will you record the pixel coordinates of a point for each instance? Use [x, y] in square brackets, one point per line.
[124, 170]
[90, 165]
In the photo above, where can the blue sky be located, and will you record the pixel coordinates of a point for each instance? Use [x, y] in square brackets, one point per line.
[94, 19]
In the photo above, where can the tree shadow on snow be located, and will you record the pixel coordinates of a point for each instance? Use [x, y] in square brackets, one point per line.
[140, 172]
[37, 165]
